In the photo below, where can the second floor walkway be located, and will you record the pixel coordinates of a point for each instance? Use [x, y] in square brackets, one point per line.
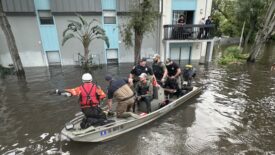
[189, 32]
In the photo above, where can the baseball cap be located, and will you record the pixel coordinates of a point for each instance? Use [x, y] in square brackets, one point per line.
[142, 59]
[143, 75]
[188, 66]
[168, 60]
[108, 77]
[156, 56]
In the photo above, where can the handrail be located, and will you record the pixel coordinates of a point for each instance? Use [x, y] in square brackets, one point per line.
[188, 31]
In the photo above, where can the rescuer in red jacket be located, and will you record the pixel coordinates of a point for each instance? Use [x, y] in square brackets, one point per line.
[89, 97]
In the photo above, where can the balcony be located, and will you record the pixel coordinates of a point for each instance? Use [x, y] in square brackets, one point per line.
[189, 32]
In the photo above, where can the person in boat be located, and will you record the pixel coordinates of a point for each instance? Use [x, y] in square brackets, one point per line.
[188, 74]
[159, 70]
[138, 70]
[125, 97]
[90, 96]
[144, 90]
[173, 76]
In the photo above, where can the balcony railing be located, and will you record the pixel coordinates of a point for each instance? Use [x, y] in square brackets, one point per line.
[188, 32]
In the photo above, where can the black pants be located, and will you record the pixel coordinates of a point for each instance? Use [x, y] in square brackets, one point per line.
[147, 100]
[200, 33]
[172, 84]
[94, 112]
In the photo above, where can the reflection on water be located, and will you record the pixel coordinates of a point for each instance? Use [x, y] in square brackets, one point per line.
[235, 113]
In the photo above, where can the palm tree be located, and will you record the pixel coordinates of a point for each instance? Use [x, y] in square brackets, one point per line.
[142, 21]
[85, 32]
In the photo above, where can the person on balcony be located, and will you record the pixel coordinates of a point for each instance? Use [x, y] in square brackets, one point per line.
[181, 20]
[201, 29]
[207, 22]
[182, 32]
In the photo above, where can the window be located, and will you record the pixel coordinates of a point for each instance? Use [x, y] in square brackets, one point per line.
[45, 17]
[109, 20]
[109, 17]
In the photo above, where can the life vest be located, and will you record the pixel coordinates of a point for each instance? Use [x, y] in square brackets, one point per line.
[88, 96]
[158, 70]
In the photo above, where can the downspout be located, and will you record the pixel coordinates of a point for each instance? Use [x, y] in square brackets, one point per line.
[160, 26]
[205, 9]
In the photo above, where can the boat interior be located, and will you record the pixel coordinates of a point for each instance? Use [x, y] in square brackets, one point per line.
[161, 97]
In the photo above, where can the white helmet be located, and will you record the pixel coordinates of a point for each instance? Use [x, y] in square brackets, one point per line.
[87, 77]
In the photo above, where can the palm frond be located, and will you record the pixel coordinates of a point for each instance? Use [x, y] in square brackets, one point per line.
[97, 30]
[75, 24]
[83, 21]
[67, 37]
[65, 31]
[104, 38]
[92, 21]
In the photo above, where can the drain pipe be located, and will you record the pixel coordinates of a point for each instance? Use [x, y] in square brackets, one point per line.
[160, 27]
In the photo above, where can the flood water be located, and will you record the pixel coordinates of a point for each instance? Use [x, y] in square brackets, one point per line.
[235, 114]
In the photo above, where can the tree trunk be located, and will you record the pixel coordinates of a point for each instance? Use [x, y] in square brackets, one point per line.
[264, 33]
[138, 43]
[86, 56]
[4, 23]
[248, 36]
[256, 48]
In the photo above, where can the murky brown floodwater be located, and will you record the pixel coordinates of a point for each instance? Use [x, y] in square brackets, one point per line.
[235, 114]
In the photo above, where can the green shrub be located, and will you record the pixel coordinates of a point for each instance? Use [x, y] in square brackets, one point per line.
[232, 54]
[6, 71]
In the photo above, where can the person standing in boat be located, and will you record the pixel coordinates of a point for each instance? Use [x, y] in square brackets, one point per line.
[173, 78]
[188, 74]
[144, 89]
[138, 70]
[90, 96]
[125, 97]
[159, 70]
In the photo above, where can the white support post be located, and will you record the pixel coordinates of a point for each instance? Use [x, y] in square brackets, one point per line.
[167, 50]
[210, 51]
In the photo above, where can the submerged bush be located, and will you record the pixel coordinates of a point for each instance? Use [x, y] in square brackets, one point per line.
[5, 71]
[232, 54]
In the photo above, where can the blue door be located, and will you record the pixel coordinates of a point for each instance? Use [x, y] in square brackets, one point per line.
[48, 32]
[49, 37]
[112, 33]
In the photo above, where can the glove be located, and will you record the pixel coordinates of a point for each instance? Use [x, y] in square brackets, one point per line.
[162, 80]
[66, 94]
[57, 92]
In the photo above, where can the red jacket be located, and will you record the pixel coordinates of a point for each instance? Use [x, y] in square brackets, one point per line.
[89, 93]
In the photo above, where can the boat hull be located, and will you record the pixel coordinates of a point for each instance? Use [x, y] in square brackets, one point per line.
[121, 126]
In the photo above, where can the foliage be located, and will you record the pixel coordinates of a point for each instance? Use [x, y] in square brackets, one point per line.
[85, 32]
[142, 21]
[224, 17]
[229, 16]
[6, 71]
[231, 55]
[264, 33]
